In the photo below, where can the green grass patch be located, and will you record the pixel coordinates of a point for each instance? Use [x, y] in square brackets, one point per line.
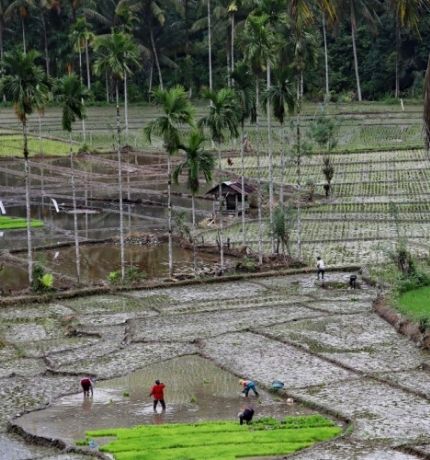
[14, 223]
[11, 145]
[217, 440]
[415, 304]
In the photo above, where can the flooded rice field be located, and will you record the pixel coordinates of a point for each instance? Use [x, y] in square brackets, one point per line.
[196, 390]
[327, 345]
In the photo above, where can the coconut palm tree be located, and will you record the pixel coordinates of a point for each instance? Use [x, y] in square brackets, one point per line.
[244, 85]
[222, 122]
[407, 14]
[197, 162]
[22, 9]
[82, 37]
[24, 85]
[177, 112]
[72, 94]
[117, 53]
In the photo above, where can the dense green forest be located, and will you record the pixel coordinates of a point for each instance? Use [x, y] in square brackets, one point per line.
[174, 38]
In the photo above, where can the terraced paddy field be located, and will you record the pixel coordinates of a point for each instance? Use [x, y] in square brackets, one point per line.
[377, 199]
[327, 345]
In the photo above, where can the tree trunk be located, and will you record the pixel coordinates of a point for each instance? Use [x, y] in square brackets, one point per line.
[210, 46]
[151, 76]
[126, 107]
[24, 45]
[257, 98]
[27, 203]
[157, 63]
[426, 114]
[193, 208]
[242, 165]
[121, 211]
[169, 212]
[221, 223]
[299, 174]
[1, 40]
[45, 40]
[107, 87]
[354, 49]
[232, 42]
[269, 145]
[87, 62]
[259, 204]
[84, 133]
[398, 41]
[281, 186]
[327, 83]
[75, 216]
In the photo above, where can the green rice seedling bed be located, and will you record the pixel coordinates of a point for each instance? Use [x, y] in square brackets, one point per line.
[225, 440]
[12, 145]
[14, 223]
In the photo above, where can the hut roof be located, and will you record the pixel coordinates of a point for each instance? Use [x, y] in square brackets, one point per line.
[234, 187]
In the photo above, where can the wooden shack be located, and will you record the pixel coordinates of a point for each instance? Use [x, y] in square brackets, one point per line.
[231, 196]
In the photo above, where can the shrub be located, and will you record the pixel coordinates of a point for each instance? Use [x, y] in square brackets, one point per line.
[42, 282]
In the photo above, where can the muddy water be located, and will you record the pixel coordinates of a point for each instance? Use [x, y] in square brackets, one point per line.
[195, 390]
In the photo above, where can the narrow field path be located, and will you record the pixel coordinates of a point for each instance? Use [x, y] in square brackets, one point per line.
[328, 346]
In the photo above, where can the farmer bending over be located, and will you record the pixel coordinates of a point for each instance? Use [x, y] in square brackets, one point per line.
[246, 415]
[248, 385]
[157, 392]
[87, 386]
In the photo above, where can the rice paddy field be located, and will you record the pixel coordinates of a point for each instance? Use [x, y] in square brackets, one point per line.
[217, 440]
[377, 199]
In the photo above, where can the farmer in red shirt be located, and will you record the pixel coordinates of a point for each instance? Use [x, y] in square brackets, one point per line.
[87, 386]
[157, 392]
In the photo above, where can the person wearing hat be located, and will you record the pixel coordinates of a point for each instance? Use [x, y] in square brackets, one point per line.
[247, 386]
[157, 393]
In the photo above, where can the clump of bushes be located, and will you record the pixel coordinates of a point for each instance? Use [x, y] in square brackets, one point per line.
[132, 275]
[42, 281]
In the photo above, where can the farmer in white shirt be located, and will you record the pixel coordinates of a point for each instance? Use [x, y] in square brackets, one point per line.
[320, 268]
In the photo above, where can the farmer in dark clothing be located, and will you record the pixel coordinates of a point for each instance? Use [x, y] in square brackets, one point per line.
[157, 393]
[246, 415]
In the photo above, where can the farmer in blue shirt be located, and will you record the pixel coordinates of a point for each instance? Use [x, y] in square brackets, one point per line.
[247, 386]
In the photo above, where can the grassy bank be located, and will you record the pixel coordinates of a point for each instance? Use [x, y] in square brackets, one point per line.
[217, 440]
[15, 223]
[415, 304]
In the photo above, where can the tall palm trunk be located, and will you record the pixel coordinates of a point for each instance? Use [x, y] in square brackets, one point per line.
[269, 145]
[232, 42]
[75, 215]
[242, 165]
[259, 204]
[354, 49]
[126, 107]
[45, 41]
[121, 211]
[169, 213]
[107, 87]
[193, 210]
[84, 132]
[1, 39]
[299, 180]
[221, 223]
[210, 45]
[24, 45]
[87, 62]
[327, 83]
[27, 202]
[283, 148]
[398, 40]
[155, 54]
